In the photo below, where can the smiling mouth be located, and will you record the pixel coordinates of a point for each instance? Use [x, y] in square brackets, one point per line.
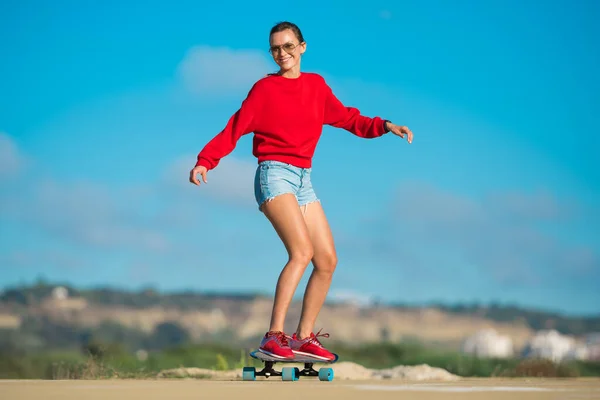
[282, 60]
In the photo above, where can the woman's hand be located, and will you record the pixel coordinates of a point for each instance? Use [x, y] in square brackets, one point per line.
[198, 170]
[400, 131]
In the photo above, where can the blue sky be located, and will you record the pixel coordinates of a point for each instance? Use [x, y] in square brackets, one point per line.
[104, 106]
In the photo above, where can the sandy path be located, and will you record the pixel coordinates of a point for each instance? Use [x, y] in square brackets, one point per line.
[488, 389]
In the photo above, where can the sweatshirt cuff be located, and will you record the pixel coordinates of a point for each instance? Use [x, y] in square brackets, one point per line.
[203, 162]
[385, 129]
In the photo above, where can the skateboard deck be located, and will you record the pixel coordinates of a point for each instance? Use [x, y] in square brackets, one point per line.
[288, 373]
[259, 355]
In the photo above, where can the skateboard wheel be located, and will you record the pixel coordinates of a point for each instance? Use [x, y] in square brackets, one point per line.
[326, 374]
[249, 374]
[290, 374]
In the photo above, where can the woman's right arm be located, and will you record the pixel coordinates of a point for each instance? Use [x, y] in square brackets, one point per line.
[239, 124]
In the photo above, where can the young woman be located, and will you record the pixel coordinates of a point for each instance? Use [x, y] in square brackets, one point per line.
[286, 112]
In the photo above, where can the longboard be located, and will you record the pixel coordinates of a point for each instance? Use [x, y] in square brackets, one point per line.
[288, 373]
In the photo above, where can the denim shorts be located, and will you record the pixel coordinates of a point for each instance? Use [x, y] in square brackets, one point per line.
[274, 178]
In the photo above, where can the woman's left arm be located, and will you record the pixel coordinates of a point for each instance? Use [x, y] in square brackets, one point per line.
[350, 119]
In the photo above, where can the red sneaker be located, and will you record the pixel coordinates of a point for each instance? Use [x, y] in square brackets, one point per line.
[311, 347]
[276, 345]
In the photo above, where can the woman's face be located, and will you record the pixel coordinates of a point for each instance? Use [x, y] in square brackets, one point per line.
[286, 49]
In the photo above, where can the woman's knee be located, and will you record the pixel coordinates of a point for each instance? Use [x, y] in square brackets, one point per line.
[303, 255]
[326, 262]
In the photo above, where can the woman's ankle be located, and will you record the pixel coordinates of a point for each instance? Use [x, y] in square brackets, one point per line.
[301, 335]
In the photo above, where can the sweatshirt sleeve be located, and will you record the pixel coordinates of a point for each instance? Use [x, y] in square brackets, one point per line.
[350, 119]
[239, 124]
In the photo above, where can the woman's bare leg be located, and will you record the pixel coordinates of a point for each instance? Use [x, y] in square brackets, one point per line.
[324, 262]
[286, 217]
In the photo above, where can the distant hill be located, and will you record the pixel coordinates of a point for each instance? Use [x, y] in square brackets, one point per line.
[535, 319]
[106, 296]
[31, 295]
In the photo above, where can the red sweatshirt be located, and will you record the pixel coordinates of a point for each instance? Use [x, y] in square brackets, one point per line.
[287, 118]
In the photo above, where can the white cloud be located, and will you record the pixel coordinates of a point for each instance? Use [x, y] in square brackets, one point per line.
[219, 71]
[11, 161]
[82, 213]
[143, 221]
[540, 205]
[93, 214]
[510, 237]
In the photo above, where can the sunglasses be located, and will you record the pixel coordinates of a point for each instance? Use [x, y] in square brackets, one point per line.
[288, 48]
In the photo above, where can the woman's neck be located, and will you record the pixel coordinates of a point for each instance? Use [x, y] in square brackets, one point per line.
[291, 74]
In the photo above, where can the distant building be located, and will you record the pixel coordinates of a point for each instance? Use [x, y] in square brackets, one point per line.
[592, 344]
[60, 301]
[552, 345]
[60, 293]
[488, 343]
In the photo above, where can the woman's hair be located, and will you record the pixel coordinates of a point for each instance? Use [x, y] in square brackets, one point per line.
[282, 26]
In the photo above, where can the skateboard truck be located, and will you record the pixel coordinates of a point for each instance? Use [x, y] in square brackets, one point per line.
[309, 370]
[268, 370]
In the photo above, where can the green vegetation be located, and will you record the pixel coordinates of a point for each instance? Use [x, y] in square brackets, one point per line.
[387, 355]
[111, 361]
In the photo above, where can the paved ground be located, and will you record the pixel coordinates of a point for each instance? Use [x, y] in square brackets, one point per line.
[488, 389]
